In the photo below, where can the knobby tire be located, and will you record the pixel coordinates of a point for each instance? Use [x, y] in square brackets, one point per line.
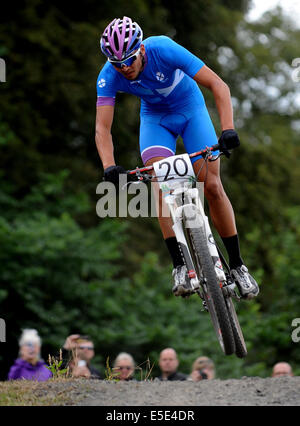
[240, 345]
[203, 257]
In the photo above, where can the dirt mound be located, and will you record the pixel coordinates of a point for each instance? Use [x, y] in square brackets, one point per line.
[246, 391]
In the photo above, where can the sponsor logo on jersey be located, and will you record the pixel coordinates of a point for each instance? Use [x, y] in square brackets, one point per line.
[179, 75]
[102, 83]
[160, 76]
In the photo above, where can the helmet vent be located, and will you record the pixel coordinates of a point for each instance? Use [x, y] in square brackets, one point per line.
[116, 41]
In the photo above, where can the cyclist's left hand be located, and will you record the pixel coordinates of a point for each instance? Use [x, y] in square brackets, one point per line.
[228, 140]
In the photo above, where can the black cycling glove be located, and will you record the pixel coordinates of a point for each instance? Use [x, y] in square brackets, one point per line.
[228, 140]
[111, 174]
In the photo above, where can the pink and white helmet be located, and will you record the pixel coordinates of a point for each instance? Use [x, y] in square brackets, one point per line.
[120, 38]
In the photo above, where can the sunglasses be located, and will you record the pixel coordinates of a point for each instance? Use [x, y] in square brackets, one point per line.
[90, 348]
[127, 62]
[123, 368]
[29, 345]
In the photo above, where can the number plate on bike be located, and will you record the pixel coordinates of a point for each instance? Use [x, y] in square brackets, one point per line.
[172, 171]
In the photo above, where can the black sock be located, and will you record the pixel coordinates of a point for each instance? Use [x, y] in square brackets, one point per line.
[233, 249]
[174, 251]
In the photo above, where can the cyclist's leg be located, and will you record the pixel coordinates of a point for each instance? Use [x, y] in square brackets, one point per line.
[221, 211]
[157, 143]
[164, 129]
[223, 218]
[199, 133]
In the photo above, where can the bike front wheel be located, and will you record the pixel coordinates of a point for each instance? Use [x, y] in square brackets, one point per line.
[212, 290]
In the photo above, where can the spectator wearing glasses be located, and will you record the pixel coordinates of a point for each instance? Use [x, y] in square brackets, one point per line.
[79, 350]
[29, 365]
[124, 367]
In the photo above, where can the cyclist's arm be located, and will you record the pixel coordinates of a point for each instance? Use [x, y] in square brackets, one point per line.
[103, 137]
[209, 79]
[172, 54]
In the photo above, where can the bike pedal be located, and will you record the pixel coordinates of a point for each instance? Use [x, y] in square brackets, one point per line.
[181, 291]
[191, 285]
[229, 290]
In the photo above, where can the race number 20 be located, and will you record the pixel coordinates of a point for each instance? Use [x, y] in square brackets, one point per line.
[177, 166]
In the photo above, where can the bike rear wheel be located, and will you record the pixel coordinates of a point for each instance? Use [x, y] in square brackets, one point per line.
[212, 291]
[240, 345]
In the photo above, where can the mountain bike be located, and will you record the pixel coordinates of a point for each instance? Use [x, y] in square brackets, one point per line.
[208, 272]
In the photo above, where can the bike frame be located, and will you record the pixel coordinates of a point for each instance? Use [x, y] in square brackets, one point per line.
[190, 214]
[187, 211]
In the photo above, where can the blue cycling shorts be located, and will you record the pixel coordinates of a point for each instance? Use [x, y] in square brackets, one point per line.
[159, 132]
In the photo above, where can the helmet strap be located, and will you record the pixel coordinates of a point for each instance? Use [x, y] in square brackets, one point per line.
[143, 61]
[143, 64]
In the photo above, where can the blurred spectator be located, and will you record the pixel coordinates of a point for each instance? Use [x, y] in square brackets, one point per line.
[203, 368]
[79, 350]
[124, 367]
[282, 369]
[168, 364]
[29, 365]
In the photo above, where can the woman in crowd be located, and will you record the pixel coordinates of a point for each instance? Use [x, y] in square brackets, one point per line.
[124, 367]
[29, 365]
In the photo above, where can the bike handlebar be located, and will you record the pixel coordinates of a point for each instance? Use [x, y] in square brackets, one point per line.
[205, 152]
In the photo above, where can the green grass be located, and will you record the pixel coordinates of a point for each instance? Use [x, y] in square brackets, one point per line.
[31, 393]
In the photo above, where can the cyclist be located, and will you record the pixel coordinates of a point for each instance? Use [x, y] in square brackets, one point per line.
[165, 76]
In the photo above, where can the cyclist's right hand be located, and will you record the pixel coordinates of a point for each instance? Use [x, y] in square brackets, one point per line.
[111, 174]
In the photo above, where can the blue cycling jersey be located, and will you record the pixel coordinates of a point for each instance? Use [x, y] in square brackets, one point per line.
[166, 82]
[171, 102]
